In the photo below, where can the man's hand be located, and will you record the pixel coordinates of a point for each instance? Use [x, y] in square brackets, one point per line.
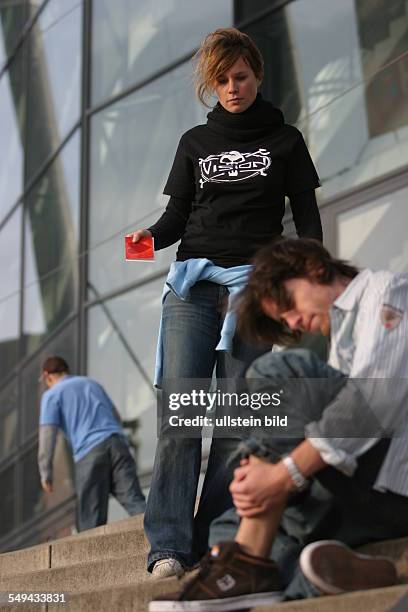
[258, 487]
[47, 486]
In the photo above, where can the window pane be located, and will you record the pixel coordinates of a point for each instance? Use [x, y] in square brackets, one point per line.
[63, 345]
[133, 145]
[7, 508]
[245, 9]
[357, 107]
[339, 71]
[13, 16]
[51, 246]
[8, 419]
[271, 34]
[10, 262]
[374, 235]
[123, 331]
[35, 501]
[54, 79]
[132, 40]
[12, 120]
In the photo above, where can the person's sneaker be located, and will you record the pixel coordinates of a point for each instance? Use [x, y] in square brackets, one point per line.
[334, 568]
[164, 568]
[228, 579]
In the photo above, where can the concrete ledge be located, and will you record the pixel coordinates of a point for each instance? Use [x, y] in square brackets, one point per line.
[127, 524]
[27, 560]
[100, 547]
[374, 600]
[397, 550]
[80, 577]
[126, 599]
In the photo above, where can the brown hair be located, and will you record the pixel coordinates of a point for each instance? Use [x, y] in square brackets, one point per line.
[219, 51]
[273, 265]
[55, 365]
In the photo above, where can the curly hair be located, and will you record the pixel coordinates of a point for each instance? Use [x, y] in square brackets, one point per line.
[218, 52]
[274, 264]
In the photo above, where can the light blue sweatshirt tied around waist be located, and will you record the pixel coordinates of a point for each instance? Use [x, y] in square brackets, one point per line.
[182, 276]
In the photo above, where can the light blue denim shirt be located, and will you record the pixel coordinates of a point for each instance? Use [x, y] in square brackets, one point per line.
[182, 276]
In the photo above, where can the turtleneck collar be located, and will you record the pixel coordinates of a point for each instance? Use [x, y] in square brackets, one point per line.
[260, 119]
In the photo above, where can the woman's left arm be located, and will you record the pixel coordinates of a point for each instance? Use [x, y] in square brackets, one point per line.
[306, 215]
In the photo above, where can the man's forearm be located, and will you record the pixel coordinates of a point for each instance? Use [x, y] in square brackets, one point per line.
[307, 459]
[46, 448]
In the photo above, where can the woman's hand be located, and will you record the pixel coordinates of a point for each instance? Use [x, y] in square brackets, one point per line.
[136, 236]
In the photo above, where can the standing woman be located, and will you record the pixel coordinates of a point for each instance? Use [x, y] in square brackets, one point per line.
[227, 189]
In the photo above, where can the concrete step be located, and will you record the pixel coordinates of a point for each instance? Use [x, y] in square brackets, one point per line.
[98, 548]
[397, 550]
[104, 569]
[374, 600]
[131, 598]
[127, 524]
[136, 598]
[124, 538]
[80, 577]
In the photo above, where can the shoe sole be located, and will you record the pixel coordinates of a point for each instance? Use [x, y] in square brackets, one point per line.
[227, 604]
[333, 568]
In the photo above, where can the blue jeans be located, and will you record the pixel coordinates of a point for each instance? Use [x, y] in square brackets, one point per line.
[335, 506]
[191, 330]
[108, 468]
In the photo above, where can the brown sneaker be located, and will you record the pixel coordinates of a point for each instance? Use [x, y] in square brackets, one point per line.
[228, 579]
[334, 568]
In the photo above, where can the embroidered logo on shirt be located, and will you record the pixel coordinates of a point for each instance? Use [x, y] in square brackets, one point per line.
[390, 316]
[226, 582]
[233, 166]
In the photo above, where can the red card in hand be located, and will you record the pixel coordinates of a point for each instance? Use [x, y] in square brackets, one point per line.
[143, 250]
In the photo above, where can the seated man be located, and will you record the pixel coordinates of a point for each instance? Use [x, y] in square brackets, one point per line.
[345, 436]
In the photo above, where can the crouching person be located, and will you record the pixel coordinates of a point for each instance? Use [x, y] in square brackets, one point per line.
[345, 442]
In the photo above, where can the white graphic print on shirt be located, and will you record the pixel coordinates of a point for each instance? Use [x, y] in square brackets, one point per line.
[233, 166]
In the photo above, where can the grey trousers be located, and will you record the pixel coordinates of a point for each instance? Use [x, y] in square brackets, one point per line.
[108, 468]
[335, 506]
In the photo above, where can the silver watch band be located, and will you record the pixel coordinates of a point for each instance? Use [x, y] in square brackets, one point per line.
[299, 480]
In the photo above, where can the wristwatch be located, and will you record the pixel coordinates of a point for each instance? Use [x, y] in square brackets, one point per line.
[300, 482]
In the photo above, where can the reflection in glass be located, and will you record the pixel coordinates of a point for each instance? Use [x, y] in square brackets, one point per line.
[13, 16]
[271, 34]
[344, 117]
[374, 235]
[10, 263]
[133, 145]
[51, 246]
[123, 331]
[7, 507]
[54, 79]
[8, 419]
[346, 86]
[63, 345]
[132, 40]
[12, 120]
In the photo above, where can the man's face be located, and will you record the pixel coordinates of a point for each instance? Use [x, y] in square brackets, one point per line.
[309, 309]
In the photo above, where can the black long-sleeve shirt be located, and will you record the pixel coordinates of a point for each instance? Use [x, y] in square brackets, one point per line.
[171, 226]
[228, 183]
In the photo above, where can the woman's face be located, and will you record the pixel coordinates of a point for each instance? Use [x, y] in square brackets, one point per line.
[237, 88]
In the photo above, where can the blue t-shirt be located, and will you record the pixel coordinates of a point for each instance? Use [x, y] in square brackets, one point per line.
[81, 408]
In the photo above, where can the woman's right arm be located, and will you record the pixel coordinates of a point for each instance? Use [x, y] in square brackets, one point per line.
[171, 225]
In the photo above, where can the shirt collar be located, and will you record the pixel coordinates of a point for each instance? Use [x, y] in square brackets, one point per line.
[353, 292]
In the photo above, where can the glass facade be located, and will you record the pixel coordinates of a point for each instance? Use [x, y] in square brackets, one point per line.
[94, 97]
